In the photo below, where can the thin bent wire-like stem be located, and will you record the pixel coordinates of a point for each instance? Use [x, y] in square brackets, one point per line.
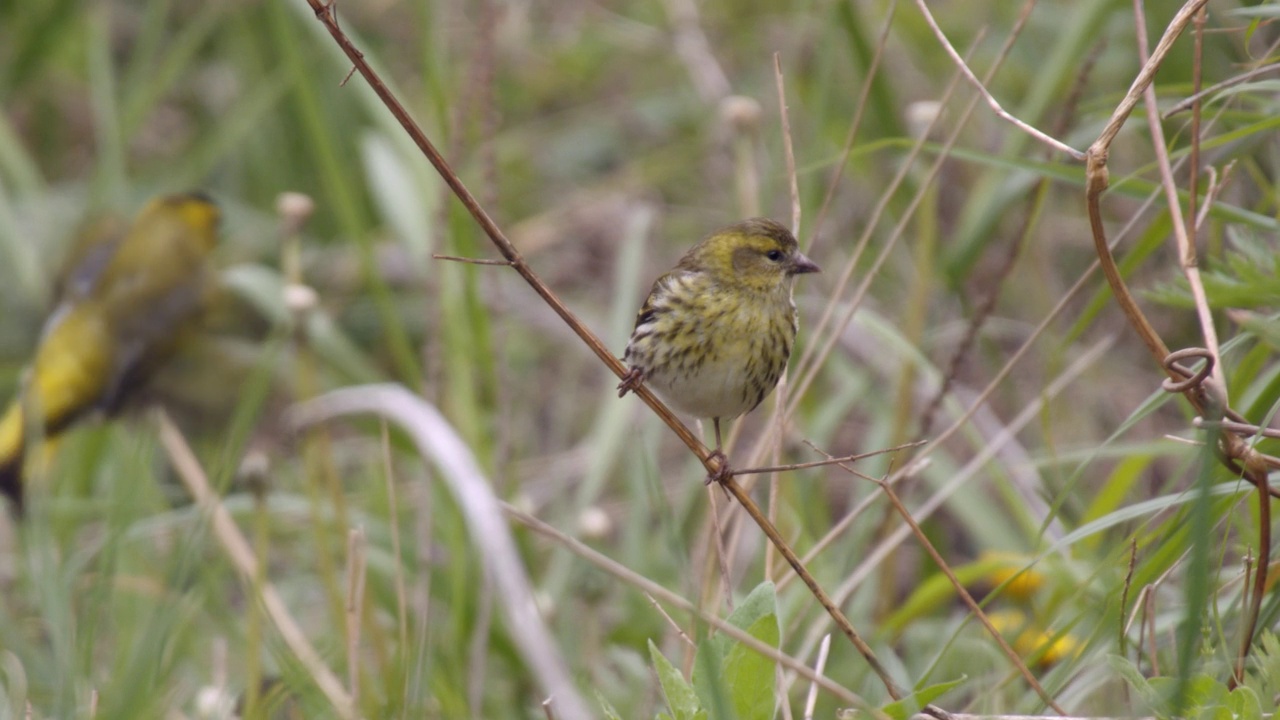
[981, 87]
[327, 16]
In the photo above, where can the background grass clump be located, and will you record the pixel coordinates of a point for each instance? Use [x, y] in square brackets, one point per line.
[1078, 501]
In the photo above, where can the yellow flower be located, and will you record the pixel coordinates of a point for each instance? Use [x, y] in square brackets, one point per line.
[716, 331]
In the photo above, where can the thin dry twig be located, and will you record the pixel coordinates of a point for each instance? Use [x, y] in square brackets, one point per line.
[471, 261]
[1239, 428]
[670, 621]
[1150, 610]
[986, 94]
[1194, 99]
[829, 461]
[960, 589]
[967, 716]
[778, 417]
[722, 557]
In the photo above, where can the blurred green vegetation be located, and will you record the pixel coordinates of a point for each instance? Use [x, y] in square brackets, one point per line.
[598, 137]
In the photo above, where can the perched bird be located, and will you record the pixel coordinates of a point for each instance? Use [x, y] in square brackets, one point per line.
[715, 333]
[126, 297]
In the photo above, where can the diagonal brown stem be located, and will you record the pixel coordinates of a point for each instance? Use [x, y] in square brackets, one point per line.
[794, 560]
[326, 14]
[714, 464]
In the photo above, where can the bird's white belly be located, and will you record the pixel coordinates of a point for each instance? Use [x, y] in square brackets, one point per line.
[719, 388]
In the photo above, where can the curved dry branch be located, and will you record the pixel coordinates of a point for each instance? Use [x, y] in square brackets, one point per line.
[1205, 390]
[439, 442]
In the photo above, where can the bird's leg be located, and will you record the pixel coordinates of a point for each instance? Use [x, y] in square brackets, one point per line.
[631, 380]
[723, 472]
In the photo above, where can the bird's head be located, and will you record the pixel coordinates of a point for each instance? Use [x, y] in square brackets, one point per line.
[757, 254]
[192, 213]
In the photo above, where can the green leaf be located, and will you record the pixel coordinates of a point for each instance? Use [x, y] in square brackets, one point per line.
[1244, 704]
[1134, 679]
[679, 694]
[750, 675]
[915, 702]
[762, 602]
[730, 679]
[708, 681]
[1206, 692]
[609, 712]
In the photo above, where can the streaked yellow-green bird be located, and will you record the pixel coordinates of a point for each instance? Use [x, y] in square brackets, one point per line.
[715, 333]
[126, 298]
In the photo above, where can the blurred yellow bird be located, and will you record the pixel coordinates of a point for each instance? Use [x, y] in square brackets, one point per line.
[125, 300]
[715, 333]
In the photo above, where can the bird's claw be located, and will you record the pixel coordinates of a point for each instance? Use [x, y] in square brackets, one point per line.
[723, 472]
[630, 381]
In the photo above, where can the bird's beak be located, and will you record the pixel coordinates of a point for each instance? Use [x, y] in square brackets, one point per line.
[801, 265]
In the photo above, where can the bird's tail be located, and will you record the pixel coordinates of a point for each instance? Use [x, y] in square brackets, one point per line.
[11, 455]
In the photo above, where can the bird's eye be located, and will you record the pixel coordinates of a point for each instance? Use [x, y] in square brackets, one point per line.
[774, 255]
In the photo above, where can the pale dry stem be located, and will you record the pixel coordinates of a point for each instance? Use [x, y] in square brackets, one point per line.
[1184, 236]
[865, 92]
[694, 50]
[812, 700]
[241, 556]
[788, 151]
[815, 353]
[355, 607]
